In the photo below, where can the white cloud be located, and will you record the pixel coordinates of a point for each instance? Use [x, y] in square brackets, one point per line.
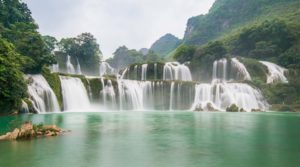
[134, 23]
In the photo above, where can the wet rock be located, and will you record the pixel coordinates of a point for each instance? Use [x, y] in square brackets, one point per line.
[232, 108]
[30, 131]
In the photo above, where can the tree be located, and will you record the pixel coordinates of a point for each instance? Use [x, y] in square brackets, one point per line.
[85, 49]
[12, 85]
[184, 53]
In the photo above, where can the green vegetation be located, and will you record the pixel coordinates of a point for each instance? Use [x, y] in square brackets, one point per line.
[83, 48]
[22, 50]
[12, 84]
[124, 57]
[165, 45]
[255, 30]
[54, 82]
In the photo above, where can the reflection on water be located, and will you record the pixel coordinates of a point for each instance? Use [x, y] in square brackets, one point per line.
[145, 139]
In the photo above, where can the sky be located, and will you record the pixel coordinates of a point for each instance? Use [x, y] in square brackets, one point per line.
[134, 23]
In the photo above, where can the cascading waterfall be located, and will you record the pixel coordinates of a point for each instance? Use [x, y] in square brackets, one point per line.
[233, 70]
[144, 72]
[41, 94]
[24, 107]
[105, 69]
[163, 87]
[275, 73]
[176, 71]
[70, 67]
[75, 96]
[221, 95]
[239, 70]
[78, 67]
[108, 94]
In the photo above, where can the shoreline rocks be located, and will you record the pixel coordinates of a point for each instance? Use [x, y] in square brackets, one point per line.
[31, 131]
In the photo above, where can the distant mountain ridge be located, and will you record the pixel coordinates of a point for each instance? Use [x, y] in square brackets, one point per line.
[166, 44]
[226, 15]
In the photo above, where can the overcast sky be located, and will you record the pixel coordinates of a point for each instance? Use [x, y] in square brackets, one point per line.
[134, 23]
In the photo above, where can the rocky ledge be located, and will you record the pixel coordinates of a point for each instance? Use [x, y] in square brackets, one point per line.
[31, 131]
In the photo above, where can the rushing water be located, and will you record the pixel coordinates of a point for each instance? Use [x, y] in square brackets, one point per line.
[152, 139]
[75, 96]
[41, 94]
[275, 73]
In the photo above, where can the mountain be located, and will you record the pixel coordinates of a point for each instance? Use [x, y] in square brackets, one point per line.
[166, 44]
[226, 15]
[257, 30]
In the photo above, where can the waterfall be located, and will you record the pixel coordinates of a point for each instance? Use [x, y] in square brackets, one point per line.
[78, 67]
[24, 107]
[172, 95]
[75, 96]
[239, 70]
[144, 72]
[108, 94]
[233, 70]
[275, 73]
[221, 95]
[70, 67]
[105, 69]
[131, 95]
[176, 71]
[41, 94]
[155, 71]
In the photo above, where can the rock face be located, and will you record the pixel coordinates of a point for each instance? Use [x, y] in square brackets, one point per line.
[30, 131]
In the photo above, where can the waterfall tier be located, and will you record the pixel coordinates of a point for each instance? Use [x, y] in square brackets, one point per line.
[41, 94]
[222, 95]
[230, 70]
[275, 73]
[105, 69]
[75, 96]
[158, 71]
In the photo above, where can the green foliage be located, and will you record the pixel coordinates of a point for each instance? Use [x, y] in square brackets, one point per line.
[232, 108]
[12, 85]
[258, 71]
[204, 57]
[184, 53]
[263, 41]
[19, 28]
[83, 48]
[54, 82]
[51, 43]
[166, 44]
[124, 57]
[227, 15]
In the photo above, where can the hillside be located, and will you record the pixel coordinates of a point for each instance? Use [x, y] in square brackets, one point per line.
[227, 15]
[166, 44]
[253, 30]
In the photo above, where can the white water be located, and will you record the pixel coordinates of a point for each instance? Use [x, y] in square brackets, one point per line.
[108, 94]
[75, 96]
[144, 72]
[233, 70]
[105, 69]
[222, 95]
[41, 94]
[176, 71]
[24, 107]
[275, 73]
[239, 70]
[70, 67]
[78, 68]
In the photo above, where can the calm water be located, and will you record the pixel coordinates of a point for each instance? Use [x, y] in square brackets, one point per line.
[164, 139]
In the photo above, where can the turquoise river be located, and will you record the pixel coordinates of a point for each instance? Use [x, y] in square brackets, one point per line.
[158, 139]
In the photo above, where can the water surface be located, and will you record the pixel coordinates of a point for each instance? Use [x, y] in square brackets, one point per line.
[158, 139]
